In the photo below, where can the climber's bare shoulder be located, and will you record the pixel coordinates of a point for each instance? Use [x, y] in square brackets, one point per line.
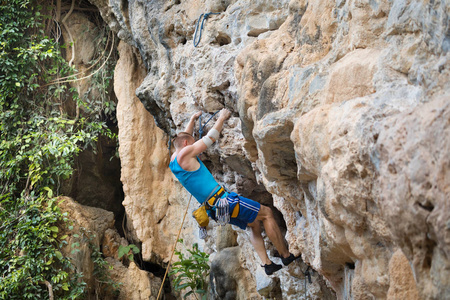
[187, 157]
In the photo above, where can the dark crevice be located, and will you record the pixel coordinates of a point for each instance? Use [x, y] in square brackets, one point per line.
[222, 39]
[154, 268]
[351, 266]
[96, 179]
[427, 205]
[158, 271]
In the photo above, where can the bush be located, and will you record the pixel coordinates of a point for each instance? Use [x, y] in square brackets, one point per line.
[191, 271]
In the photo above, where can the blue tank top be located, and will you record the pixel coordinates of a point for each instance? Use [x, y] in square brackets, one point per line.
[199, 183]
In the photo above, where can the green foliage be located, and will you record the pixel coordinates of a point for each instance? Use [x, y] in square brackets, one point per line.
[38, 142]
[129, 251]
[191, 271]
[30, 251]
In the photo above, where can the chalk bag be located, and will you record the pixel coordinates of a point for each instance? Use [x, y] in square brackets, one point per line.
[223, 211]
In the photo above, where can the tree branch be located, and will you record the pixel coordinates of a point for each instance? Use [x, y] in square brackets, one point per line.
[50, 289]
[58, 10]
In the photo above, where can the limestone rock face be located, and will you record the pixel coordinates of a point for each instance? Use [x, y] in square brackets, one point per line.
[228, 279]
[340, 121]
[414, 186]
[79, 35]
[402, 284]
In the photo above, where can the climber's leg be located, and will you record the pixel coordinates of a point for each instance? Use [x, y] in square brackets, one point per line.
[272, 230]
[258, 242]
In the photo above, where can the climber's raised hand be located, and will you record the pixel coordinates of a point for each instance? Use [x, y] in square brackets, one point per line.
[224, 114]
[196, 115]
[190, 126]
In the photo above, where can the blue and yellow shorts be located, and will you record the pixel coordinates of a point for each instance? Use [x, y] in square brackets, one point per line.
[246, 211]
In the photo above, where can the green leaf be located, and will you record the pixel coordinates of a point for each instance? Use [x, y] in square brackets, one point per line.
[183, 286]
[49, 191]
[123, 250]
[59, 255]
[134, 248]
[54, 229]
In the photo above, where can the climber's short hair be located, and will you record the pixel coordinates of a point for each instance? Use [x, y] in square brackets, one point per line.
[177, 141]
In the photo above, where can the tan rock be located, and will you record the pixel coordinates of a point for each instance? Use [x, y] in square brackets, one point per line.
[414, 189]
[352, 76]
[402, 283]
[136, 284]
[89, 226]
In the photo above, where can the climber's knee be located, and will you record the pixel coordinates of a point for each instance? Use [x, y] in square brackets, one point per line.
[255, 226]
[264, 213]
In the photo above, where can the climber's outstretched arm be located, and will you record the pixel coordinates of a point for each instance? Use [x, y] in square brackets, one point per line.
[224, 114]
[213, 135]
[190, 126]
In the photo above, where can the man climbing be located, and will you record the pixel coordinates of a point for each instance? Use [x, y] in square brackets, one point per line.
[196, 178]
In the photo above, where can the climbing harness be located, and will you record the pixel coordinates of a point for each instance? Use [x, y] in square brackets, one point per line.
[221, 205]
[201, 127]
[205, 16]
[173, 249]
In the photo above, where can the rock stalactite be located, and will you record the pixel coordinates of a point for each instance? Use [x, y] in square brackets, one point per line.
[340, 122]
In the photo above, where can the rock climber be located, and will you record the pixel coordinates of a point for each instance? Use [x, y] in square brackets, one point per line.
[197, 179]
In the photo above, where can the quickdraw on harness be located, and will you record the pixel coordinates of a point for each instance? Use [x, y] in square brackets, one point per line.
[205, 16]
[223, 212]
